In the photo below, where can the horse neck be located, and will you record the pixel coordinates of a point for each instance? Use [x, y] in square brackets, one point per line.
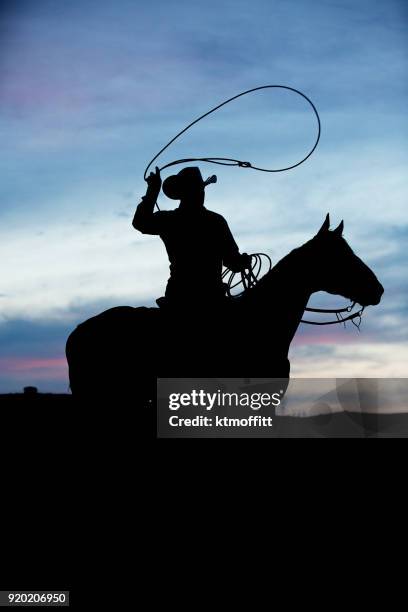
[283, 293]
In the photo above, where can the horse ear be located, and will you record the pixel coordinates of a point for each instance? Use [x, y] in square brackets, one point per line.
[339, 230]
[325, 227]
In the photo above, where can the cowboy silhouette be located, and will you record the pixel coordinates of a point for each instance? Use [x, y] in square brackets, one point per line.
[198, 241]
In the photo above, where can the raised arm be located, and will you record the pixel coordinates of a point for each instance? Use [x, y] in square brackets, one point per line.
[145, 220]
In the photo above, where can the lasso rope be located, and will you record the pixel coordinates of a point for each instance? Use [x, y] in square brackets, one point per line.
[226, 161]
[248, 278]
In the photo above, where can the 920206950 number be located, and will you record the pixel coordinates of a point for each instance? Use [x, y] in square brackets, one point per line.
[28, 598]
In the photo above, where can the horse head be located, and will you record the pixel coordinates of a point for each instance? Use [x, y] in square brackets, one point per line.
[338, 270]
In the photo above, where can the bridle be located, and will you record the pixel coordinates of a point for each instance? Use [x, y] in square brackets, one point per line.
[249, 278]
[338, 312]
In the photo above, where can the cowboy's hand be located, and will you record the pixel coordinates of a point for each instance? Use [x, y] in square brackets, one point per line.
[246, 261]
[154, 183]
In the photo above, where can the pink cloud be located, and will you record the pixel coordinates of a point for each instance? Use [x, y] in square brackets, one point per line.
[49, 368]
[328, 337]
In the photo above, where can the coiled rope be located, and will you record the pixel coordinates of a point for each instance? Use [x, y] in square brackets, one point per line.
[247, 278]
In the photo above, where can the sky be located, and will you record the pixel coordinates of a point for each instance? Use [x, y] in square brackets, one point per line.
[90, 90]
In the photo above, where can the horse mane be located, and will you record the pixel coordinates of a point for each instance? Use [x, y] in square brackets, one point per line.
[273, 276]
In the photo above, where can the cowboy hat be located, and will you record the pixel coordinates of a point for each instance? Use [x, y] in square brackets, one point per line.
[187, 180]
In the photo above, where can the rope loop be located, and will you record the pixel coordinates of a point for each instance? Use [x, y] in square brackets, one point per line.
[235, 161]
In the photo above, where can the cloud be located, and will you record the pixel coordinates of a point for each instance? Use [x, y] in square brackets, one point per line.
[367, 360]
[33, 354]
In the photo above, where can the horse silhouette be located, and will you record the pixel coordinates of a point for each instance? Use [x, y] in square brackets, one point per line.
[122, 351]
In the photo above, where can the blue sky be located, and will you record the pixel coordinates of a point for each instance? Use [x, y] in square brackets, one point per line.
[90, 90]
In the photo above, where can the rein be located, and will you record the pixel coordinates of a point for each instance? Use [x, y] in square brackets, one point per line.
[249, 279]
[339, 318]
